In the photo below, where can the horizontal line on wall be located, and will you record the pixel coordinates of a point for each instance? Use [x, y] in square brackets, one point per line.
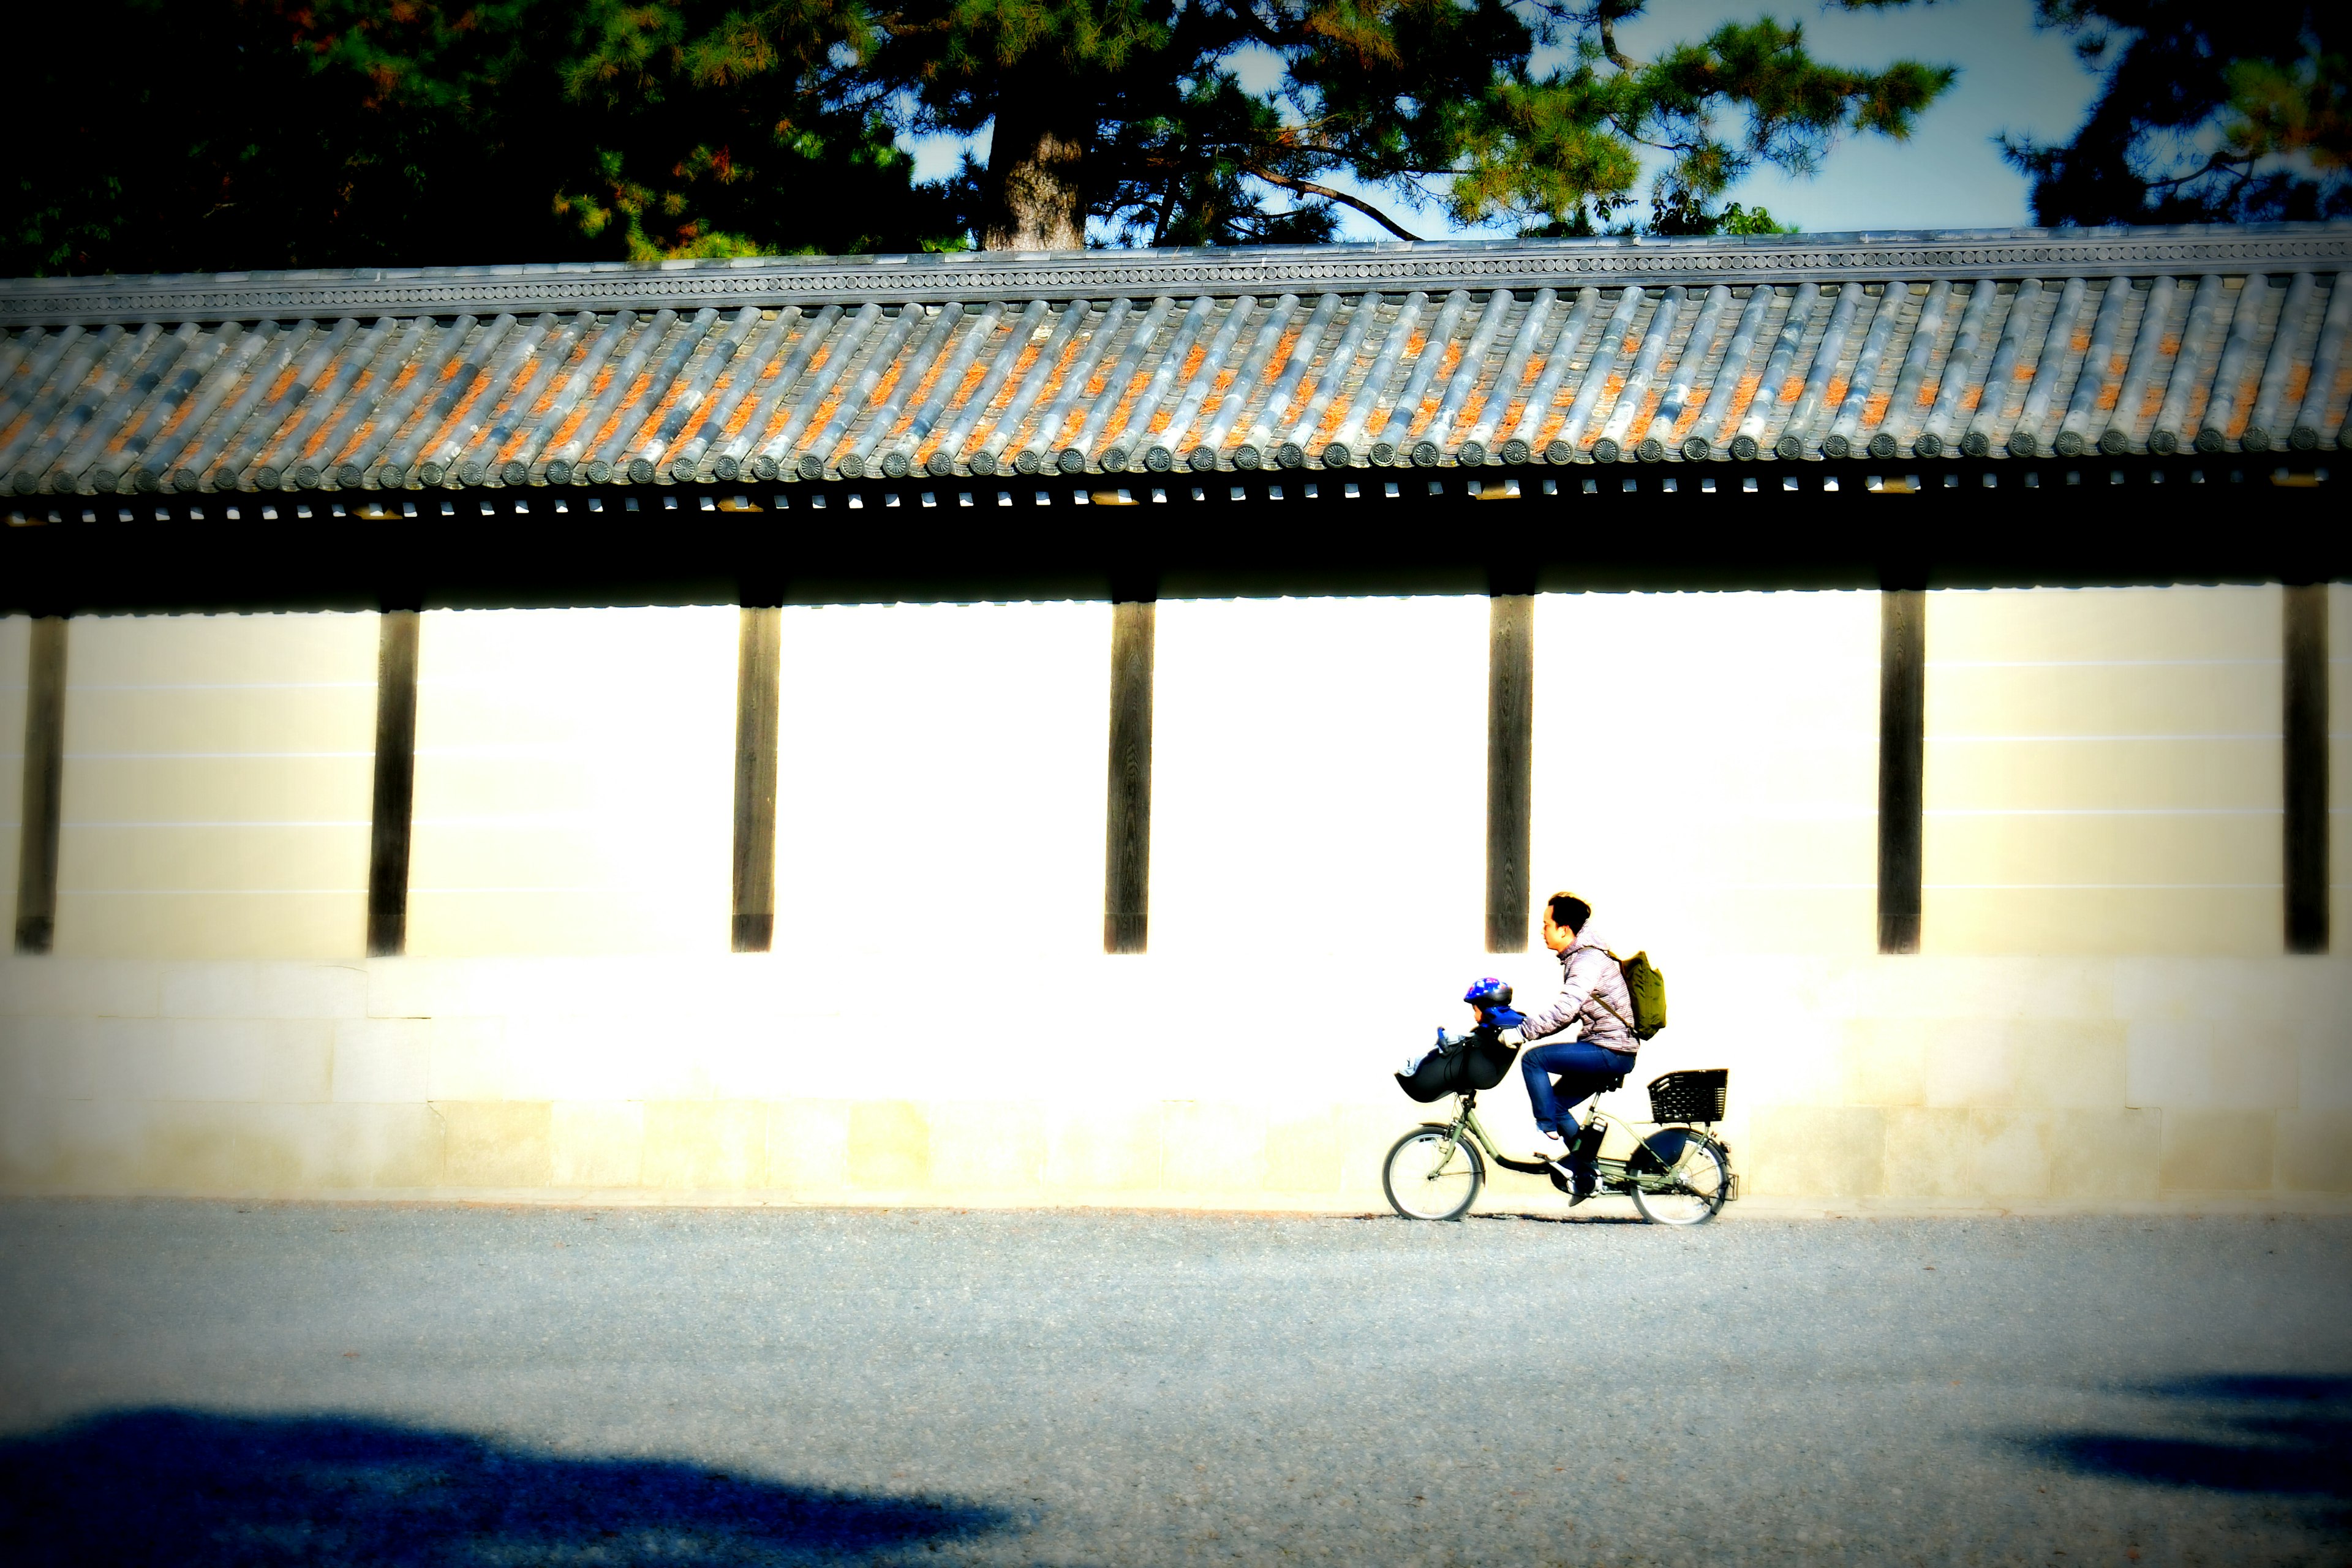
[2100, 887]
[319, 822]
[582, 748]
[1768, 886]
[630, 887]
[203, 892]
[2105, 811]
[1732, 886]
[74, 685]
[1863, 814]
[1799, 813]
[526, 820]
[2093, 663]
[462, 751]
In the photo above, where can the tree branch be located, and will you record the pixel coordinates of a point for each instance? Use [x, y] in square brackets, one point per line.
[1167, 215]
[1257, 27]
[2242, 168]
[1309, 187]
[1289, 143]
[1608, 44]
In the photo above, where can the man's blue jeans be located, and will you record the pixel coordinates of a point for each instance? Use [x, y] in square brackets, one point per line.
[1582, 1070]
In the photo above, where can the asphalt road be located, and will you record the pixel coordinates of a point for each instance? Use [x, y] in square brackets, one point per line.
[201, 1382]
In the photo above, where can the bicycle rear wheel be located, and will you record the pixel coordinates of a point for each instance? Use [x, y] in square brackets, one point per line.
[1701, 1178]
[1430, 1174]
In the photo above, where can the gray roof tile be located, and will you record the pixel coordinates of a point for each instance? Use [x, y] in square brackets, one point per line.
[2014, 343]
[805, 402]
[904, 379]
[2324, 392]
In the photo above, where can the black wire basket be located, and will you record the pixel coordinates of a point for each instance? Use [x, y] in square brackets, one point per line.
[1695, 1095]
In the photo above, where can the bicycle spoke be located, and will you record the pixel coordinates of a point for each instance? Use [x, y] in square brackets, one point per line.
[1689, 1193]
[1433, 1175]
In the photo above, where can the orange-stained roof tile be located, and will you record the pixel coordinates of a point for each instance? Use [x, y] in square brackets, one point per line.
[112, 393]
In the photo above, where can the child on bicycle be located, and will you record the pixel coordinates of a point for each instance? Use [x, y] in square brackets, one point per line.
[1593, 994]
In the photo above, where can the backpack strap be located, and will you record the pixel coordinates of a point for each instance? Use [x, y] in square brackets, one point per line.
[1605, 1001]
[1619, 1016]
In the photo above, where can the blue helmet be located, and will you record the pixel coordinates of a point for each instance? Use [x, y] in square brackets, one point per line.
[1489, 992]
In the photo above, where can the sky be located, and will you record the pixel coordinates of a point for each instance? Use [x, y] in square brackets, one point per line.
[1950, 174]
[2013, 78]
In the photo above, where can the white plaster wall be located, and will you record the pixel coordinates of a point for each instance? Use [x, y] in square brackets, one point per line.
[1316, 843]
[217, 786]
[574, 781]
[1706, 774]
[939, 850]
[2104, 771]
[941, 781]
[1706, 769]
[1319, 800]
[937, 1023]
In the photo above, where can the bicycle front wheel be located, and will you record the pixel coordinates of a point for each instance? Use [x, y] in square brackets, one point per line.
[1692, 1191]
[1431, 1174]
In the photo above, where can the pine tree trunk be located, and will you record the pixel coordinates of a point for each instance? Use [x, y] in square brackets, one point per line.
[1035, 199]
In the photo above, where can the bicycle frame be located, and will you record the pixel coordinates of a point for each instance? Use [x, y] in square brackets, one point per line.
[1615, 1175]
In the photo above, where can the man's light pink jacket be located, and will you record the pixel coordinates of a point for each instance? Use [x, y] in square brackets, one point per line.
[1587, 978]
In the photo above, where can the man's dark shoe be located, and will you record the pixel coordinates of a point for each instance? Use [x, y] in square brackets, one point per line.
[1582, 1179]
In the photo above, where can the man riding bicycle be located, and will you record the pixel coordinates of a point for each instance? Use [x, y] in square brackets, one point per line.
[1592, 993]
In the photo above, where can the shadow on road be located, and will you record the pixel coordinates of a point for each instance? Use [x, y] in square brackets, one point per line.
[2286, 1437]
[184, 1487]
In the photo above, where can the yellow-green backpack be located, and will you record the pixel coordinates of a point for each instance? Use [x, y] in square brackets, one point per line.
[1647, 988]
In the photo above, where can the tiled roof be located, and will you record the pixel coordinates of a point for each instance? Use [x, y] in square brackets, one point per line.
[2024, 342]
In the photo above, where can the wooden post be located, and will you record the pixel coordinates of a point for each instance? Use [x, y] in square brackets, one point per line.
[396, 784]
[1127, 837]
[1510, 767]
[757, 678]
[2306, 768]
[45, 764]
[1902, 764]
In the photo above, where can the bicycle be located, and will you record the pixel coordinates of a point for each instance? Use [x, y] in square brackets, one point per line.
[1677, 1175]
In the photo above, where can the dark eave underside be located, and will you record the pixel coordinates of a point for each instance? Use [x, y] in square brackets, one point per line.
[1964, 523]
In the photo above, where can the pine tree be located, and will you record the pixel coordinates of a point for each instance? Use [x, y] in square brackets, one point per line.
[2206, 114]
[1132, 112]
[213, 134]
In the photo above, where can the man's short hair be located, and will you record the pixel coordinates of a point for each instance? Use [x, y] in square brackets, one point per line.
[1567, 910]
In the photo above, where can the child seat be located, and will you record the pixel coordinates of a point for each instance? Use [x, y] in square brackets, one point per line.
[1480, 1062]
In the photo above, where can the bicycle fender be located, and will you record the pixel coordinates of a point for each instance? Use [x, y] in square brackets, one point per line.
[1662, 1151]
